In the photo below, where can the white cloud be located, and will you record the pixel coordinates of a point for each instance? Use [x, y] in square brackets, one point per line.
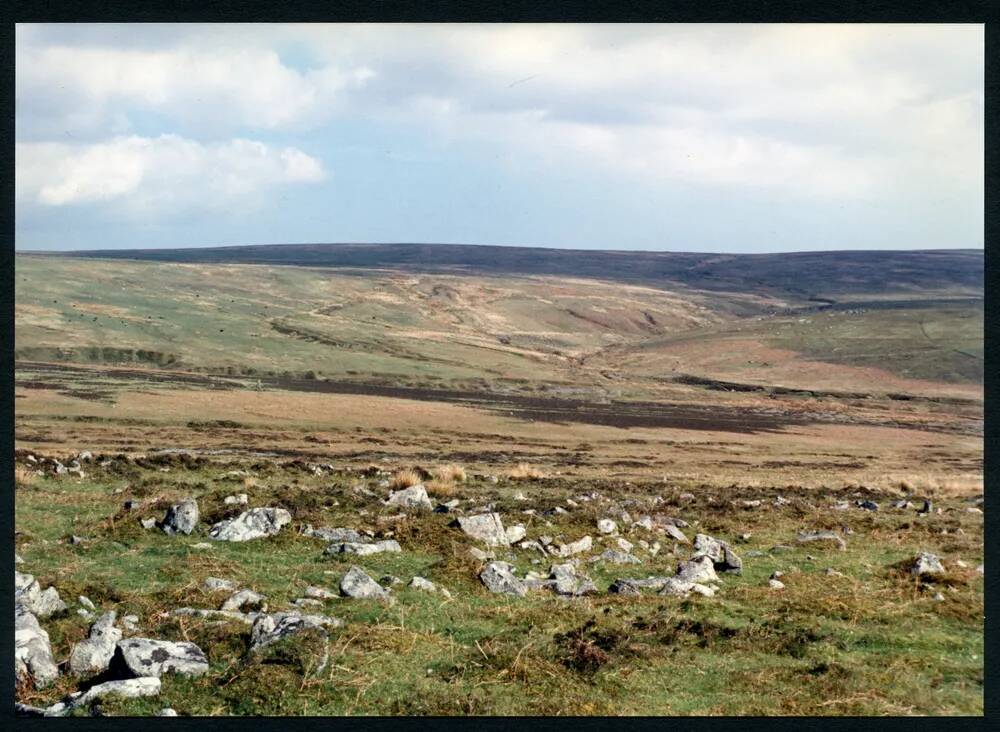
[155, 176]
[803, 110]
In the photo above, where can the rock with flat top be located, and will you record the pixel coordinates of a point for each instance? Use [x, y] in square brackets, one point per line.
[137, 657]
[257, 523]
[414, 498]
[486, 527]
[364, 549]
[93, 654]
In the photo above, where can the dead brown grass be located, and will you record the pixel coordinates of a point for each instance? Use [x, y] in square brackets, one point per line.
[450, 473]
[404, 479]
[440, 488]
[524, 471]
[24, 476]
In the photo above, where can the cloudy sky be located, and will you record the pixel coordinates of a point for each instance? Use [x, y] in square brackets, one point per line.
[677, 137]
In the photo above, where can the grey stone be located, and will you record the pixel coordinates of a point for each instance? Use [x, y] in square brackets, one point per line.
[181, 518]
[498, 578]
[126, 688]
[85, 601]
[150, 657]
[421, 583]
[414, 498]
[701, 569]
[515, 533]
[569, 582]
[606, 526]
[616, 557]
[198, 612]
[271, 628]
[41, 603]
[319, 593]
[167, 712]
[339, 535]
[147, 523]
[625, 545]
[677, 587]
[809, 536]
[721, 554]
[256, 523]
[362, 549]
[241, 599]
[676, 534]
[93, 654]
[240, 499]
[776, 584]
[32, 648]
[926, 563]
[130, 622]
[486, 527]
[480, 554]
[215, 584]
[359, 585]
[576, 547]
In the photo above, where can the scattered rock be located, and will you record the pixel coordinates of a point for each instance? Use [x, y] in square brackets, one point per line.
[486, 527]
[215, 584]
[480, 554]
[147, 523]
[721, 554]
[198, 612]
[831, 572]
[167, 712]
[319, 593]
[85, 601]
[181, 518]
[420, 583]
[240, 499]
[32, 649]
[377, 547]
[677, 587]
[775, 584]
[515, 533]
[499, 578]
[606, 526]
[41, 603]
[569, 582]
[414, 498]
[358, 585]
[130, 622]
[341, 535]
[148, 657]
[700, 569]
[675, 533]
[256, 523]
[616, 557]
[576, 547]
[93, 654]
[926, 563]
[241, 599]
[809, 536]
[625, 545]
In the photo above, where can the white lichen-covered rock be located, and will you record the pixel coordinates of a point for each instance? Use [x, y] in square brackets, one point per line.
[150, 657]
[675, 533]
[125, 688]
[364, 549]
[926, 563]
[198, 612]
[357, 584]
[338, 535]
[32, 649]
[606, 526]
[421, 583]
[270, 628]
[93, 654]
[515, 533]
[216, 584]
[576, 547]
[676, 587]
[41, 603]
[613, 556]
[319, 593]
[240, 499]
[414, 498]
[499, 578]
[256, 523]
[181, 518]
[242, 598]
[700, 569]
[486, 527]
[824, 536]
[721, 554]
[567, 581]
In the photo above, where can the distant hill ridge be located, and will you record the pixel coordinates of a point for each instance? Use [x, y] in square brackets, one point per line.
[834, 274]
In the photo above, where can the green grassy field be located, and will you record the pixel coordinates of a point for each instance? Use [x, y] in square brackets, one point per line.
[870, 642]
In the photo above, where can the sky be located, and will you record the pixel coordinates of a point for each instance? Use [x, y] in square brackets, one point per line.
[723, 138]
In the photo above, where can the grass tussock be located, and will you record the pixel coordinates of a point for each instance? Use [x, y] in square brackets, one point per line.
[524, 471]
[24, 476]
[404, 479]
[441, 488]
[450, 473]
